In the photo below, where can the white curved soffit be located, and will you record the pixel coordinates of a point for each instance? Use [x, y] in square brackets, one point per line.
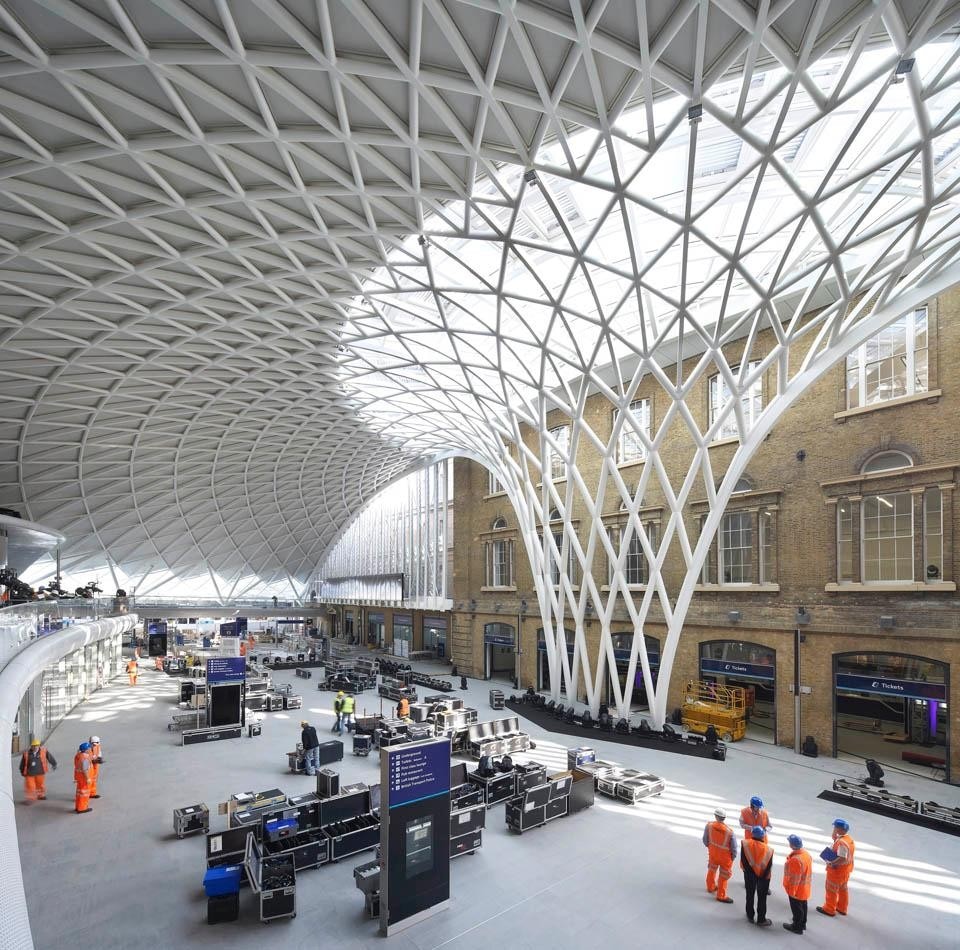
[218, 336]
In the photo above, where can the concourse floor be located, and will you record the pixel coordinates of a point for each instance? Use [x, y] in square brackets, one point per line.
[613, 875]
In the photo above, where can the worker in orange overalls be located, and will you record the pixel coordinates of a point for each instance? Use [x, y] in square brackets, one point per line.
[797, 879]
[132, 671]
[838, 871]
[34, 765]
[755, 814]
[81, 775]
[403, 708]
[756, 862]
[96, 760]
[722, 849]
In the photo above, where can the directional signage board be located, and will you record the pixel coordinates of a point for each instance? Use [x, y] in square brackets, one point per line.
[885, 686]
[414, 832]
[757, 671]
[418, 772]
[226, 669]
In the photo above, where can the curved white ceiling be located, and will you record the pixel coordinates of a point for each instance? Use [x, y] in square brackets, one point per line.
[258, 258]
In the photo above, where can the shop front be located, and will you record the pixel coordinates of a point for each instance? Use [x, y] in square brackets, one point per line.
[621, 652]
[402, 634]
[543, 665]
[499, 651]
[892, 707]
[753, 667]
[376, 629]
[435, 636]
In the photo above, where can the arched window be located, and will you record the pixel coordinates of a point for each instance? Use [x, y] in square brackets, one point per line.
[886, 462]
[499, 524]
[743, 484]
[555, 514]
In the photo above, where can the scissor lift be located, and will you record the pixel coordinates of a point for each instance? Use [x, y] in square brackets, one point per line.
[709, 704]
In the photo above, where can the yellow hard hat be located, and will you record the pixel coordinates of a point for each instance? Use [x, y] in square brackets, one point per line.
[340, 693]
[34, 742]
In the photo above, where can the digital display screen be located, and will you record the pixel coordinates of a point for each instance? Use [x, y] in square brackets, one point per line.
[418, 851]
[418, 772]
[226, 669]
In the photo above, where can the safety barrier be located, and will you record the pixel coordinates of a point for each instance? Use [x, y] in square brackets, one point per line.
[16, 675]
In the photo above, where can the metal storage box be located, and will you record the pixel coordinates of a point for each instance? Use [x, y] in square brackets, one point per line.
[191, 819]
[557, 807]
[331, 751]
[635, 786]
[580, 755]
[496, 788]
[465, 844]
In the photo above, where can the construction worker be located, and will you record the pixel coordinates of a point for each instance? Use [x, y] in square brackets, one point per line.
[838, 871]
[722, 849]
[132, 670]
[346, 708]
[403, 708]
[81, 775]
[756, 862]
[755, 814]
[34, 765]
[338, 712]
[797, 878]
[96, 760]
[311, 747]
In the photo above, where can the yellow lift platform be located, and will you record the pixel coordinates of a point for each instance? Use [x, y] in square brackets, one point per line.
[709, 704]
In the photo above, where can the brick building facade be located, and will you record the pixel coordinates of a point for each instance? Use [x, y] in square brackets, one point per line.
[813, 507]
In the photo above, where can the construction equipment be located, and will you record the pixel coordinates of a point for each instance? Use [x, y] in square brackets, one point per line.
[709, 704]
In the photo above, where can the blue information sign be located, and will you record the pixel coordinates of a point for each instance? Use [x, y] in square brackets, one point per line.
[884, 686]
[498, 639]
[226, 669]
[757, 671]
[156, 626]
[417, 772]
[228, 629]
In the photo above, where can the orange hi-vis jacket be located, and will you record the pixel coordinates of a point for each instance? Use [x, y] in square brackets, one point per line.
[721, 844]
[798, 875]
[41, 755]
[758, 856]
[844, 847]
[81, 768]
[750, 820]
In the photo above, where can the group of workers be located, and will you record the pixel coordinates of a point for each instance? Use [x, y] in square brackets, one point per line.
[756, 862]
[37, 761]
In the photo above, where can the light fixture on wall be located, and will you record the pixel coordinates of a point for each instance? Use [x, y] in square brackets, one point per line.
[802, 616]
[523, 606]
[734, 616]
[887, 622]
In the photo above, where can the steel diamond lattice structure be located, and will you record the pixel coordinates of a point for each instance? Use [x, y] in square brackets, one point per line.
[259, 259]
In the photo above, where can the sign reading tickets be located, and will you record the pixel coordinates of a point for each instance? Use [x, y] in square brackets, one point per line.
[885, 686]
[417, 773]
[757, 671]
[226, 669]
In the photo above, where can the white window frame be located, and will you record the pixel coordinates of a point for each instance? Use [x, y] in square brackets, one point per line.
[721, 548]
[630, 447]
[494, 485]
[857, 362]
[751, 400]
[557, 462]
[928, 493]
[894, 537]
[502, 566]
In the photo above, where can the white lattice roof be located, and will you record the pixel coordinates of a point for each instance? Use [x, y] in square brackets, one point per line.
[258, 257]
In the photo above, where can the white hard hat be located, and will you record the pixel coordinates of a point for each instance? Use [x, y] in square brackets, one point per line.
[94, 738]
[720, 813]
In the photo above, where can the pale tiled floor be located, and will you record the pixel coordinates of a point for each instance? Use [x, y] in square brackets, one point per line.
[610, 876]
